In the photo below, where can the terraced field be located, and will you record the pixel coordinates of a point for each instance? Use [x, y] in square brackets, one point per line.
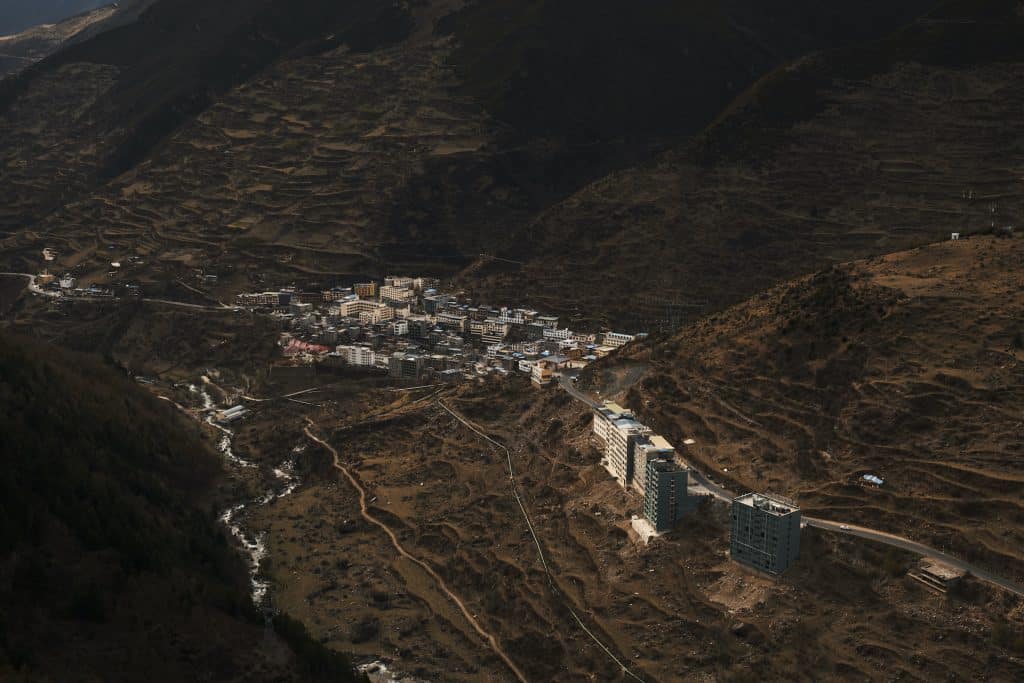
[908, 366]
[297, 170]
[40, 168]
[673, 610]
[896, 160]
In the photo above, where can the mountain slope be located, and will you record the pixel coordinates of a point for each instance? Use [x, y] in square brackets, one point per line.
[112, 566]
[841, 155]
[908, 366]
[372, 136]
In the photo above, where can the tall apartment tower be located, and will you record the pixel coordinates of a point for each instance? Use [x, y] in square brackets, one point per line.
[765, 532]
[654, 448]
[605, 416]
[621, 446]
[666, 499]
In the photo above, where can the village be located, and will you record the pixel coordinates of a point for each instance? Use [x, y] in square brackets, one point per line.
[409, 329]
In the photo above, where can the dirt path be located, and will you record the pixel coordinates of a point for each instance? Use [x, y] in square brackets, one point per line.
[536, 540]
[364, 511]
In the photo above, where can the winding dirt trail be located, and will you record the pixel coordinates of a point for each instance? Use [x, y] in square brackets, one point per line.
[364, 511]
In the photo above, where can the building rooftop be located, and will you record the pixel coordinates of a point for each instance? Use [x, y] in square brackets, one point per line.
[666, 466]
[941, 570]
[628, 423]
[661, 442]
[773, 504]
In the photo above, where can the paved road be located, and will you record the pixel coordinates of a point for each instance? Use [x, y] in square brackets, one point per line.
[914, 547]
[838, 527]
[32, 286]
[223, 308]
[565, 381]
[36, 289]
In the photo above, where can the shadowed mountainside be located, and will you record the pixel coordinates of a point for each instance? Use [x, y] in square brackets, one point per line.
[845, 154]
[408, 146]
[111, 562]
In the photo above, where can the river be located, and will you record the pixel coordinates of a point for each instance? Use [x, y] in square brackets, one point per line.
[254, 544]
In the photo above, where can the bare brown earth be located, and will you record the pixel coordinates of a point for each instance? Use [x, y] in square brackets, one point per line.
[296, 174]
[889, 162]
[674, 610]
[677, 609]
[357, 162]
[907, 366]
[11, 289]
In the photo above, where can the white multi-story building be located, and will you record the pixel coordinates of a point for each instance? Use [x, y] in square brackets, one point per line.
[542, 372]
[557, 334]
[248, 298]
[362, 356]
[617, 339]
[621, 447]
[582, 338]
[653, 448]
[516, 316]
[396, 294]
[494, 331]
[368, 312]
[605, 416]
[399, 328]
[452, 321]
[399, 281]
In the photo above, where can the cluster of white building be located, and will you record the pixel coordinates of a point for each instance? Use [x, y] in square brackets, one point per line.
[646, 463]
[765, 530]
[369, 323]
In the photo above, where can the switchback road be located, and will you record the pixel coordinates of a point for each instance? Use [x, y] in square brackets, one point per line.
[837, 527]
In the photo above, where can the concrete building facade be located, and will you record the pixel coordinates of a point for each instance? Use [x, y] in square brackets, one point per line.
[396, 293]
[361, 356]
[665, 499]
[605, 416]
[765, 532]
[617, 339]
[622, 440]
[365, 290]
[542, 372]
[654, 448]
